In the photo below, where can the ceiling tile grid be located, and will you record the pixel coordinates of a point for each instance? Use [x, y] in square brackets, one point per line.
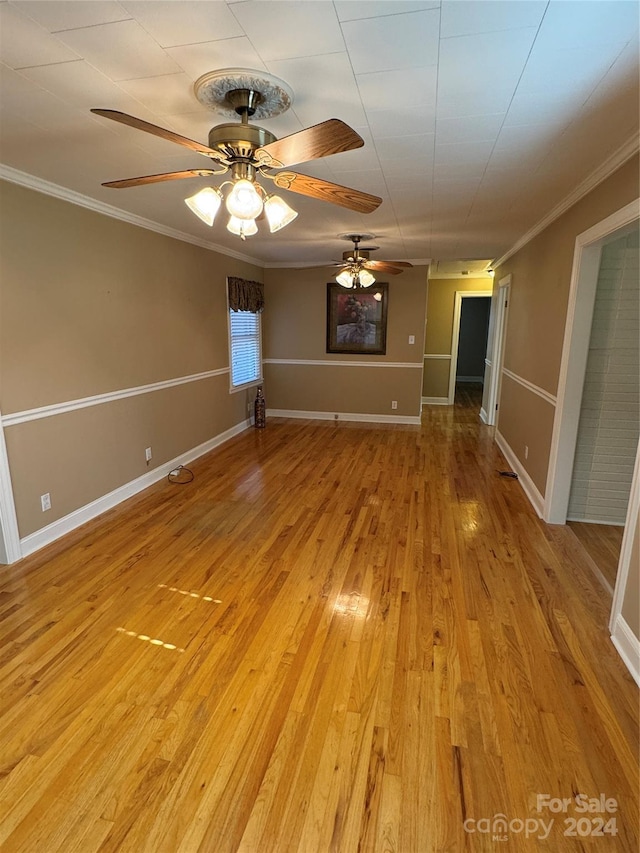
[477, 117]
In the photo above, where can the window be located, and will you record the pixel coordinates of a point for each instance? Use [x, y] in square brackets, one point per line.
[244, 345]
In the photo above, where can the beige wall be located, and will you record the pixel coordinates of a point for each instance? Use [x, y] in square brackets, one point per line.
[439, 330]
[294, 328]
[90, 305]
[541, 276]
[631, 601]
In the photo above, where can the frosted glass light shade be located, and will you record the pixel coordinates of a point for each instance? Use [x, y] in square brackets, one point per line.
[243, 201]
[242, 228]
[205, 204]
[366, 279]
[278, 213]
[345, 278]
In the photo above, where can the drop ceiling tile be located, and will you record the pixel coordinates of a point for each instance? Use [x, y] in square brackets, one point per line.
[353, 10]
[478, 128]
[474, 66]
[284, 30]
[622, 77]
[405, 147]
[122, 51]
[462, 153]
[391, 43]
[323, 87]
[523, 137]
[21, 98]
[79, 84]
[399, 170]
[397, 90]
[455, 185]
[467, 17]
[24, 44]
[526, 160]
[198, 59]
[592, 24]
[165, 95]
[459, 171]
[467, 104]
[541, 107]
[576, 71]
[70, 14]
[173, 23]
[360, 159]
[416, 206]
[401, 121]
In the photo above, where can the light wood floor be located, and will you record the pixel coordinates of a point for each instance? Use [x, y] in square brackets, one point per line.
[339, 637]
[603, 543]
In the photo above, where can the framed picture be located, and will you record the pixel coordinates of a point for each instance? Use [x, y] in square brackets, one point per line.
[357, 319]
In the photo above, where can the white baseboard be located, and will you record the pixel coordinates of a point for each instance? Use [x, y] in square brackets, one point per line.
[609, 523]
[344, 416]
[484, 417]
[435, 401]
[529, 487]
[34, 541]
[628, 646]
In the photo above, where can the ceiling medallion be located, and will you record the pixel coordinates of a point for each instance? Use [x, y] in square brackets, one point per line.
[214, 89]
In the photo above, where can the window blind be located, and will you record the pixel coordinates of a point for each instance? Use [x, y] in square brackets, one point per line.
[244, 328]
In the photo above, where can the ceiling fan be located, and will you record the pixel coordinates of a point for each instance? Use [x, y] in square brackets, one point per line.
[248, 151]
[357, 265]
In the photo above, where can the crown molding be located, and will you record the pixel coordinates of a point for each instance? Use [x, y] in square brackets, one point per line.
[620, 156]
[457, 275]
[23, 179]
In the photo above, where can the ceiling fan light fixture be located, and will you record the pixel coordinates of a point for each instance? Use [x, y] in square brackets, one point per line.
[244, 201]
[278, 213]
[345, 278]
[205, 204]
[365, 278]
[242, 228]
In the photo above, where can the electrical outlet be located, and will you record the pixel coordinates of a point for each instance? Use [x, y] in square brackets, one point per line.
[526, 451]
[45, 501]
[394, 404]
[412, 339]
[148, 454]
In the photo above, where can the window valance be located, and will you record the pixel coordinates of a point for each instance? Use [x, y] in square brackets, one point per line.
[245, 295]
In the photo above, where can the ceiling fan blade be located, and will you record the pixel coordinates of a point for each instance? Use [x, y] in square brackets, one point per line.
[163, 133]
[329, 137]
[326, 191]
[165, 176]
[388, 266]
[380, 266]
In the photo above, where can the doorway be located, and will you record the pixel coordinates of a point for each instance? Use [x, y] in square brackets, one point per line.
[580, 310]
[469, 338]
[10, 549]
[493, 371]
[573, 367]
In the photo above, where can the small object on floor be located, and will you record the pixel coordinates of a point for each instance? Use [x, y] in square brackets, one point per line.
[180, 476]
[511, 474]
[260, 410]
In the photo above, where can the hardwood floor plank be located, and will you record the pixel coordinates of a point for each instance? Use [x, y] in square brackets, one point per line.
[339, 637]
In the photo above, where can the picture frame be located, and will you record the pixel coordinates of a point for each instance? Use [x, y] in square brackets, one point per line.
[357, 319]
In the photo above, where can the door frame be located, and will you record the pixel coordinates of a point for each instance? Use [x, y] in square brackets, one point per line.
[8, 519]
[573, 365]
[455, 335]
[500, 310]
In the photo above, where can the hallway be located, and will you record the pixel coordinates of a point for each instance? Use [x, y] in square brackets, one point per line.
[339, 637]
